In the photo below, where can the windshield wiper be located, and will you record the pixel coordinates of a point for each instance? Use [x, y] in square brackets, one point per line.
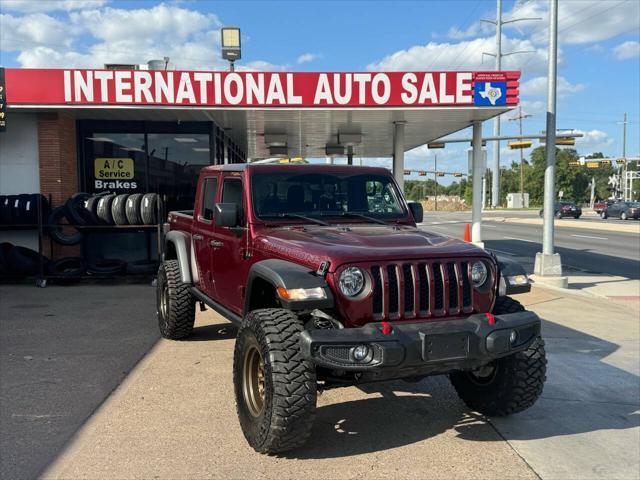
[355, 215]
[297, 215]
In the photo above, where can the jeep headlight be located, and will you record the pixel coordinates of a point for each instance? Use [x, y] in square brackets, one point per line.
[478, 274]
[351, 281]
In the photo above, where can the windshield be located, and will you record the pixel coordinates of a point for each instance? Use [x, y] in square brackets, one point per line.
[325, 195]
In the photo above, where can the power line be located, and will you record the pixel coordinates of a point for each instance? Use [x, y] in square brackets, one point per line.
[466, 23]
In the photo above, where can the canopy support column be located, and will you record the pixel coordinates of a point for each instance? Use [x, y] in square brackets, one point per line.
[398, 153]
[478, 173]
[349, 155]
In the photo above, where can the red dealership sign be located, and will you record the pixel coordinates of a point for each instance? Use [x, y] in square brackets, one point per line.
[254, 89]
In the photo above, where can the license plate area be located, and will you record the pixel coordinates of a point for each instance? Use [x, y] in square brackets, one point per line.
[442, 347]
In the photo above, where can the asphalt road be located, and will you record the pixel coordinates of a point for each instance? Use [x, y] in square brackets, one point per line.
[62, 352]
[582, 250]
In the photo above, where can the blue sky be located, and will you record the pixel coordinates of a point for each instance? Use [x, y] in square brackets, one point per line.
[599, 40]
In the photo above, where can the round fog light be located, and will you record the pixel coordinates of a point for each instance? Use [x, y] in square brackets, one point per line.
[360, 353]
[513, 337]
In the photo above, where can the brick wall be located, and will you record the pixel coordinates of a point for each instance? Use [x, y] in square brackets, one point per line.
[58, 167]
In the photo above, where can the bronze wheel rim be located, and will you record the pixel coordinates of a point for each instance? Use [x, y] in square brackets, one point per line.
[253, 381]
[164, 300]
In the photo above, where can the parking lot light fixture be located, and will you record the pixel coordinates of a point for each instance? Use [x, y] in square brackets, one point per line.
[230, 41]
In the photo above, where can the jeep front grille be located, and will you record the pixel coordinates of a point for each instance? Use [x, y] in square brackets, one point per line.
[421, 289]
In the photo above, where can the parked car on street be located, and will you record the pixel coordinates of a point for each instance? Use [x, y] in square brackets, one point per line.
[599, 206]
[622, 210]
[565, 209]
[331, 284]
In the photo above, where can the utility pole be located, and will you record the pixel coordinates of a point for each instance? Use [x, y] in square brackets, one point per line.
[435, 177]
[624, 155]
[548, 265]
[495, 166]
[519, 118]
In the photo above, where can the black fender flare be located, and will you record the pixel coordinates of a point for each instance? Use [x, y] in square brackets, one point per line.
[285, 274]
[177, 245]
[509, 268]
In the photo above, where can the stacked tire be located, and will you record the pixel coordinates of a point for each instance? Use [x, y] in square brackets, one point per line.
[22, 210]
[112, 209]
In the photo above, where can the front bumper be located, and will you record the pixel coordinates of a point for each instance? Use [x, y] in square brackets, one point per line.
[422, 348]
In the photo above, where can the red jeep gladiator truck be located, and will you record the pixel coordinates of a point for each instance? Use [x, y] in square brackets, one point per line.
[331, 283]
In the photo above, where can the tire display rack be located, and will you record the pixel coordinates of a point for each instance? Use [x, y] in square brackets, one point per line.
[43, 276]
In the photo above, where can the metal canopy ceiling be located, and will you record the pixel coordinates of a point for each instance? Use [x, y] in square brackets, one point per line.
[308, 131]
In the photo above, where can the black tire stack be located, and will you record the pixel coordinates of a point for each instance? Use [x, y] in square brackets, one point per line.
[80, 210]
[22, 210]
[20, 261]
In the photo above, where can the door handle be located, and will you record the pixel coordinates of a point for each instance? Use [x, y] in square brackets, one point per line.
[215, 243]
[197, 237]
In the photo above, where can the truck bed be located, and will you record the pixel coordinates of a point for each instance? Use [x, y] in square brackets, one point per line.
[181, 220]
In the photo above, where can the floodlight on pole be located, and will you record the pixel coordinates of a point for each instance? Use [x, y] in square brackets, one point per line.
[499, 22]
[230, 41]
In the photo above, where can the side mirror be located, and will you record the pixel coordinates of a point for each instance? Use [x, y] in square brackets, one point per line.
[416, 211]
[226, 215]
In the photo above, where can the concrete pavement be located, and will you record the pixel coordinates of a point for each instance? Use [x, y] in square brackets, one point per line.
[174, 416]
[65, 349]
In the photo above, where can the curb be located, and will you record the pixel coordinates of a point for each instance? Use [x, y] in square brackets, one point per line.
[617, 228]
[579, 293]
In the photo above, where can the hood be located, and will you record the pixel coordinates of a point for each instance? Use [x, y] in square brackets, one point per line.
[356, 243]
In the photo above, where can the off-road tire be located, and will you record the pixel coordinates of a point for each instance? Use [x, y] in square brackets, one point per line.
[506, 305]
[290, 390]
[177, 315]
[56, 228]
[517, 381]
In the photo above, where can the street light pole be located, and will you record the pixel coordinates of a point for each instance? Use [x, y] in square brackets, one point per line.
[548, 264]
[495, 178]
[495, 167]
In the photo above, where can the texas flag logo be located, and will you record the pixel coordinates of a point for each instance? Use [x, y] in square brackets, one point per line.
[489, 93]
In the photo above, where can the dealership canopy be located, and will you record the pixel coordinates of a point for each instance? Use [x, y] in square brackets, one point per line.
[303, 113]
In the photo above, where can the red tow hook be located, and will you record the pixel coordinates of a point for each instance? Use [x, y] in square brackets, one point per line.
[386, 328]
[491, 320]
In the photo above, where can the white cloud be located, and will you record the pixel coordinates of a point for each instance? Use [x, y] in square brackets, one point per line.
[464, 55]
[537, 86]
[17, 33]
[307, 57]
[114, 35]
[165, 23]
[262, 66]
[32, 6]
[533, 107]
[627, 50]
[579, 21]
[474, 30]
[593, 140]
